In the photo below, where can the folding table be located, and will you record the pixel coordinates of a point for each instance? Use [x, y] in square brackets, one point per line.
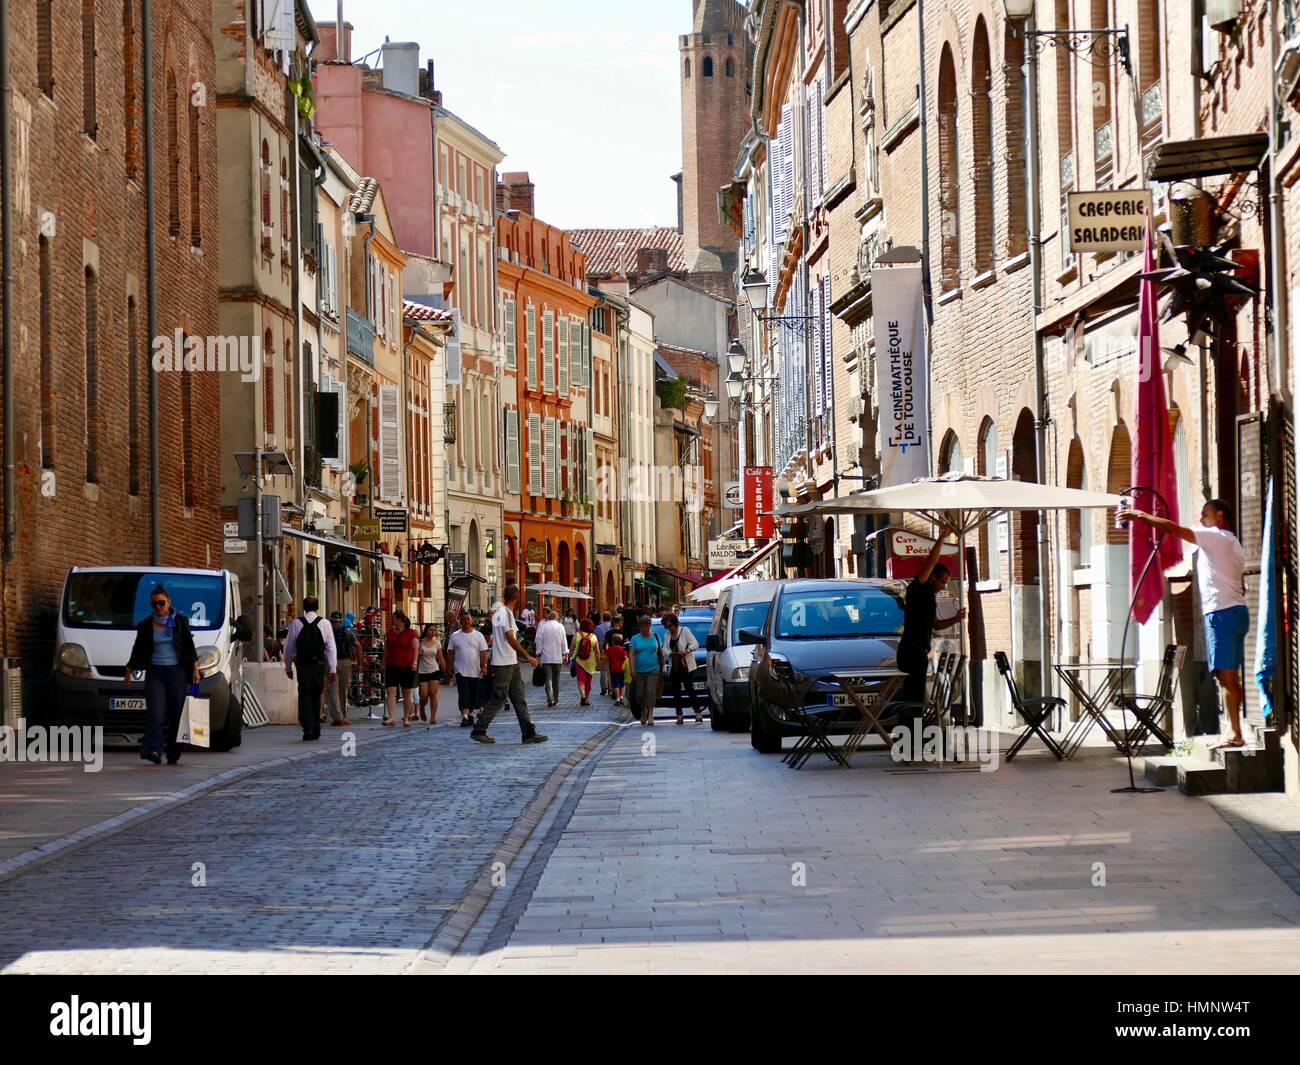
[870, 691]
[1094, 701]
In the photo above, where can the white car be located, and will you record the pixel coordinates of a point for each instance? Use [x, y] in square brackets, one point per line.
[742, 606]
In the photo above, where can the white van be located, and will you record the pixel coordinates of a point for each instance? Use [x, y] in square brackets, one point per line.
[743, 605]
[98, 615]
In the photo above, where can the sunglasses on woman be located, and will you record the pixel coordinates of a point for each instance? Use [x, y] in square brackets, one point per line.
[158, 602]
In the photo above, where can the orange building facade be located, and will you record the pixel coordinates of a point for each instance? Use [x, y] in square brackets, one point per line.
[549, 446]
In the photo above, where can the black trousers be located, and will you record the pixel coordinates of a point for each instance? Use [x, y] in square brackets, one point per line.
[165, 689]
[677, 681]
[311, 687]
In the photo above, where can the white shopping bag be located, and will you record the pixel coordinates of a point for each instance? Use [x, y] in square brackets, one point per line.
[194, 722]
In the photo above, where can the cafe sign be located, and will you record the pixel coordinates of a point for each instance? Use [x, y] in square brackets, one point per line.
[1109, 221]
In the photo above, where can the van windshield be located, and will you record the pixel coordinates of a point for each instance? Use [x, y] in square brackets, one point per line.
[121, 600]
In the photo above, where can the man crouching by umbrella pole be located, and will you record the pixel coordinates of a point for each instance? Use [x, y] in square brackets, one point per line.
[920, 608]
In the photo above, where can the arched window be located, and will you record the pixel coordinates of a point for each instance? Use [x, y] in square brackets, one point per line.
[284, 208]
[92, 376]
[1150, 69]
[990, 557]
[1024, 467]
[1119, 475]
[708, 66]
[1078, 523]
[268, 385]
[173, 159]
[288, 393]
[731, 67]
[688, 67]
[45, 47]
[187, 439]
[47, 355]
[1016, 134]
[89, 124]
[949, 181]
[950, 456]
[133, 395]
[196, 188]
[129, 85]
[266, 198]
[1103, 130]
[982, 148]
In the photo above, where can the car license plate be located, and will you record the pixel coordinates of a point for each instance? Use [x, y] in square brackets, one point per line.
[126, 704]
[844, 699]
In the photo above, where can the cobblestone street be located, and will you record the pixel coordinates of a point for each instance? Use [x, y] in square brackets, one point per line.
[334, 864]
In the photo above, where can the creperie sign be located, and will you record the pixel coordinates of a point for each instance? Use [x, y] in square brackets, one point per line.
[1108, 220]
[758, 503]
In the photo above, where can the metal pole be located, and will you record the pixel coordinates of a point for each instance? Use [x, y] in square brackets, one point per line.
[926, 290]
[259, 644]
[151, 288]
[7, 267]
[1040, 369]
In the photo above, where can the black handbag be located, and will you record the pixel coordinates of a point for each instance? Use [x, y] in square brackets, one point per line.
[539, 676]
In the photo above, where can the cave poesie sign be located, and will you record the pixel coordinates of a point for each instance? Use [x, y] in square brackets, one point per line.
[1108, 221]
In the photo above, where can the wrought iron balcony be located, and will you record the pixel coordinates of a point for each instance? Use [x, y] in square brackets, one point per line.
[361, 338]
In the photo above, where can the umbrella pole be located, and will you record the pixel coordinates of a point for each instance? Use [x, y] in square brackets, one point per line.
[962, 634]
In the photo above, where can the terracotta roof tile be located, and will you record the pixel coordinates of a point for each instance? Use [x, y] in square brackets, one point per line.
[604, 256]
[420, 313]
[364, 198]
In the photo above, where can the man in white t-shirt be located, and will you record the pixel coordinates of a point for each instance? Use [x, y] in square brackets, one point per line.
[552, 649]
[1220, 578]
[507, 681]
[469, 661]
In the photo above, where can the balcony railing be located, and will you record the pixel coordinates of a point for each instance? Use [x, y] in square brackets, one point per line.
[449, 423]
[361, 338]
[1153, 114]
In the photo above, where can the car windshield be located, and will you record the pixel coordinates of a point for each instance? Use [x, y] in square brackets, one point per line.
[748, 616]
[700, 626]
[121, 600]
[835, 613]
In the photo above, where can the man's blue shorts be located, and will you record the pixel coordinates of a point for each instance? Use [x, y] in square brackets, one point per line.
[1225, 637]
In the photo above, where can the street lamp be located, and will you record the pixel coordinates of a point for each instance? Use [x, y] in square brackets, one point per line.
[737, 356]
[735, 385]
[755, 286]
[1089, 43]
[710, 408]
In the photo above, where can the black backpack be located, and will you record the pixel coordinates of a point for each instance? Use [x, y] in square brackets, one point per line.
[311, 644]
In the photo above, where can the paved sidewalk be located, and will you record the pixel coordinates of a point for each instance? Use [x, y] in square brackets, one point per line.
[708, 857]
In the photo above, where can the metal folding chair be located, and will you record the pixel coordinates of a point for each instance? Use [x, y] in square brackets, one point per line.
[1034, 711]
[1150, 710]
[815, 736]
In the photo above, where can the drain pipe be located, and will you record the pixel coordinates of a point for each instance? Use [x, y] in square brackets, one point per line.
[7, 327]
[151, 285]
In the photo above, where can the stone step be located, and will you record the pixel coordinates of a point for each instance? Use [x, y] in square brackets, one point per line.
[1199, 777]
[1161, 771]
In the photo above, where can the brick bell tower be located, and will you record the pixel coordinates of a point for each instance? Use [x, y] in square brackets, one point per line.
[715, 62]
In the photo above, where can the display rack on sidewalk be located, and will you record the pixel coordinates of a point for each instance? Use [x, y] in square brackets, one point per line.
[368, 677]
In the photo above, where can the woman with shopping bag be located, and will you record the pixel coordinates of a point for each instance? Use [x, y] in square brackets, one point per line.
[164, 652]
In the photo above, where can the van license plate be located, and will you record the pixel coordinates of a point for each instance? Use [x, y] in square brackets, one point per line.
[126, 704]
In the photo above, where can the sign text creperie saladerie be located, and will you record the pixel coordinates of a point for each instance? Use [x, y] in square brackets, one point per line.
[1108, 221]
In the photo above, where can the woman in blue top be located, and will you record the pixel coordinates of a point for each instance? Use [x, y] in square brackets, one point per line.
[164, 652]
[646, 651]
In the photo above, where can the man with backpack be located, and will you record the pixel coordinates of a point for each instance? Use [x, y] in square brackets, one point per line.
[336, 696]
[310, 647]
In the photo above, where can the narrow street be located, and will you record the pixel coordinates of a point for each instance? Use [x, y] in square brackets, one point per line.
[680, 849]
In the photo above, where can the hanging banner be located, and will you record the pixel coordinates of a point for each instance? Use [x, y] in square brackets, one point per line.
[901, 374]
[758, 503]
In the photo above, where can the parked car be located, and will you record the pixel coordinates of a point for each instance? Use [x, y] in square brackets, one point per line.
[100, 610]
[813, 629]
[741, 606]
[699, 624]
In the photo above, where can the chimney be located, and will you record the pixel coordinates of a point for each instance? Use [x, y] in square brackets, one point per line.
[503, 198]
[651, 262]
[522, 192]
[328, 51]
[401, 61]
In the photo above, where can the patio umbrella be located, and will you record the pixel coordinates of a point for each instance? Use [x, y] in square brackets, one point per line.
[963, 502]
[556, 591]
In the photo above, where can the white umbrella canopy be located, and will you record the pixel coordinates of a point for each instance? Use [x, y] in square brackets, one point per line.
[960, 500]
[556, 591]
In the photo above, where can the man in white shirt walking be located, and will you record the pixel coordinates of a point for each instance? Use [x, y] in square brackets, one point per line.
[469, 657]
[507, 682]
[310, 646]
[552, 649]
[1220, 578]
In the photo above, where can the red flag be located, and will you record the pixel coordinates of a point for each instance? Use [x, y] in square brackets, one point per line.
[1154, 473]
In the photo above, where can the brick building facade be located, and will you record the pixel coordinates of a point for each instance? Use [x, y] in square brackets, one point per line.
[80, 323]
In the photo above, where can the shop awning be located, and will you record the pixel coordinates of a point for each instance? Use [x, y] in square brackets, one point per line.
[392, 564]
[678, 575]
[331, 541]
[653, 584]
[710, 592]
[1206, 156]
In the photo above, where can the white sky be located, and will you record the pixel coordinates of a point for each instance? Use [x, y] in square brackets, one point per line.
[583, 94]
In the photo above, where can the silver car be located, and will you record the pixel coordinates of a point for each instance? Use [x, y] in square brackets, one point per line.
[743, 605]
